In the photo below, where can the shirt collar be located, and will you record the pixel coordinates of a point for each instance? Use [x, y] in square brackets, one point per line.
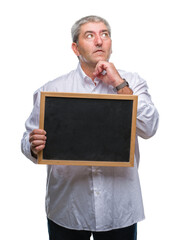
[81, 72]
[84, 76]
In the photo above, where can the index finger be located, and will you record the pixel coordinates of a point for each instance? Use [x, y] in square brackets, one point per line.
[38, 131]
[101, 66]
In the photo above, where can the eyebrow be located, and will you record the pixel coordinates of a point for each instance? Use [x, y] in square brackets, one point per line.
[88, 32]
[104, 30]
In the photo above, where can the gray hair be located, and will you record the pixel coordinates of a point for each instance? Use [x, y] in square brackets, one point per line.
[75, 30]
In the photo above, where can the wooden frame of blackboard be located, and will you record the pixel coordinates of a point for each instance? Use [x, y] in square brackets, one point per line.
[56, 97]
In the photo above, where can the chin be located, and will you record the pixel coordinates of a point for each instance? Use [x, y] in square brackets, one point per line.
[101, 59]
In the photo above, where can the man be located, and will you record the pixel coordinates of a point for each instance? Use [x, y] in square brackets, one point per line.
[83, 200]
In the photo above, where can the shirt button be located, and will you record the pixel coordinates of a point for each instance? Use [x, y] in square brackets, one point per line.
[97, 193]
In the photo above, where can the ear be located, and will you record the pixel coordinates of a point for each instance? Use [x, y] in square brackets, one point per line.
[75, 49]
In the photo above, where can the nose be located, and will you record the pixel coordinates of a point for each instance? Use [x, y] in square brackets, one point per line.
[98, 40]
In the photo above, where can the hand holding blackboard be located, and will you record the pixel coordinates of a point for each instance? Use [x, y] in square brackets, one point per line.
[37, 139]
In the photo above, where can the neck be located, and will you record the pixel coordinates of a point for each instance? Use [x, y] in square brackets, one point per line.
[88, 70]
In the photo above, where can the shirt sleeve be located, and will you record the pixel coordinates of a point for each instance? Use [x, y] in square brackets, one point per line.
[31, 123]
[147, 114]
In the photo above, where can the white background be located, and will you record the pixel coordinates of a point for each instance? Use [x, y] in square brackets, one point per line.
[35, 47]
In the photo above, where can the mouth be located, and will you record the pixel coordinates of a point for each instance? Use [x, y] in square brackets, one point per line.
[99, 51]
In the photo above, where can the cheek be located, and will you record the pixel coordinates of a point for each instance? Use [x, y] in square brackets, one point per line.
[85, 52]
[110, 50]
[108, 45]
[85, 49]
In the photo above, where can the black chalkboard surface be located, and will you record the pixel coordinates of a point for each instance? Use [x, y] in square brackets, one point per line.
[88, 129]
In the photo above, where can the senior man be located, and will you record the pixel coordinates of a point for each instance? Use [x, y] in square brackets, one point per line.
[86, 200]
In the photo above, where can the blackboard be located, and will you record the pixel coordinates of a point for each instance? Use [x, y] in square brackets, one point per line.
[88, 129]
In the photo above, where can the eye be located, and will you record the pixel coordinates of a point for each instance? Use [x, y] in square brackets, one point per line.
[89, 36]
[105, 35]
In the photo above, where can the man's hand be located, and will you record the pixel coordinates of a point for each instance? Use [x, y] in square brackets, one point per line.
[107, 72]
[37, 139]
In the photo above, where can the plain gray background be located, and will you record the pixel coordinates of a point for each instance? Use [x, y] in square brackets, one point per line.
[35, 47]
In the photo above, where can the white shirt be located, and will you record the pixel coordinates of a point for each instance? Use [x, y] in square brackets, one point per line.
[95, 198]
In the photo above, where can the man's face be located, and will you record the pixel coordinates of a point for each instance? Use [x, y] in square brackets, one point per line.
[94, 44]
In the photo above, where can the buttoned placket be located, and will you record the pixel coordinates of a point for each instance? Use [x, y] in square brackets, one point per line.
[96, 171]
[98, 195]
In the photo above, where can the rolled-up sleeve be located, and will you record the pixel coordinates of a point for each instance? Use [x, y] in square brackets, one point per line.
[147, 114]
[31, 123]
